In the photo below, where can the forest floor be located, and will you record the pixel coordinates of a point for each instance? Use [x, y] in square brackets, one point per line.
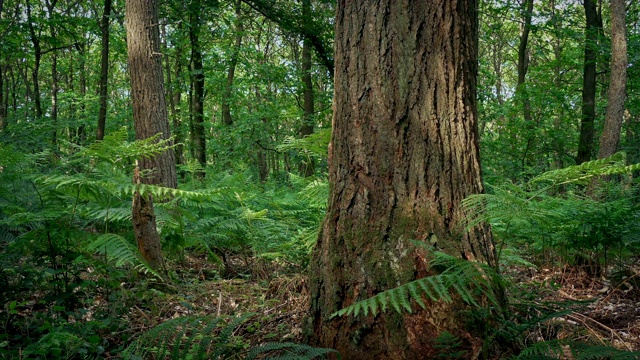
[605, 311]
[599, 309]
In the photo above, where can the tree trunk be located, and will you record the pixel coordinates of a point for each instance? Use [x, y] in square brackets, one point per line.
[403, 155]
[197, 98]
[174, 94]
[104, 70]
[585, 144]
[150, 118]
[3, 97]
[37, 53]
[523, 66]
[610, 138]
[228, 89]
[307, 166]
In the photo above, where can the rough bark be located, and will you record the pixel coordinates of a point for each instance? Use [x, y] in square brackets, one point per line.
[174, 94]
[197, 97]
[403, 155]
[585, 144]
[54, 73]
[610, 138]
[523, 66]
[233, 62]
[37, 53]
[150, 118]
[307, 166]
[104, 69]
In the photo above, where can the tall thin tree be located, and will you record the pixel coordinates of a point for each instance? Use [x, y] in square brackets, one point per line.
[150, 118]
[610, 138]
[104, 69]
[587, 123]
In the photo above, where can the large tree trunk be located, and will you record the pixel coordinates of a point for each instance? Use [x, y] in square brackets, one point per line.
[615, 105]
[104, 69]
[150, 118]
[197, 98]
[403, 156]
[585, 144]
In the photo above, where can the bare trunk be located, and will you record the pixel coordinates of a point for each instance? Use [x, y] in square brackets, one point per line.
[150, 118]
[197, 97]
[403, 155]
[104, 69]
[174, 95]
[585, 144]
[37, 53]
[523, 66]
[615, 109]
[228, 90]
[307, 166]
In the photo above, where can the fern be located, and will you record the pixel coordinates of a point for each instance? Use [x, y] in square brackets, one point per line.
[561, 349]
[583, 173]
[188, 337]
[470, 280]
[210, 337]
[290, 351]
[117, 249]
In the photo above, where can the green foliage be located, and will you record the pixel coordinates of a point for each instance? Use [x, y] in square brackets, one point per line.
[211, 338]
[189, 338]
[122, 252]
[290, 351]
[559, 349]
[538, 216]
[472, 281]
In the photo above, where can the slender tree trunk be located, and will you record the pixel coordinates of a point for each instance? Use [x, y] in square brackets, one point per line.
[174, 95]
[307, 166]
[523, 66]
[3, 97]
[585, 144]
[403, 155]
[197, 97]
[81, 133]
[233, 62]
[3, 72]
[54, 98]
[37, 53]
[104, 69]
[610, 138]
[150, 118]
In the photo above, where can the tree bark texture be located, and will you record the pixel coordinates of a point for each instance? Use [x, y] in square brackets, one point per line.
[233, 62]
[104, 69]
[197, 98]
[147, 88]
[403, 156]
[610, 138]
[307, 166]
[150, 118]
[585, 144]
[523, 67]
[37, 52]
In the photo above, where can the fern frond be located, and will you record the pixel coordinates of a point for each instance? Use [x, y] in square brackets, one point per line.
[469, 280]
[582, 174]
[189, 337]
[290, 351]
[117, 249]
[560, 349]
